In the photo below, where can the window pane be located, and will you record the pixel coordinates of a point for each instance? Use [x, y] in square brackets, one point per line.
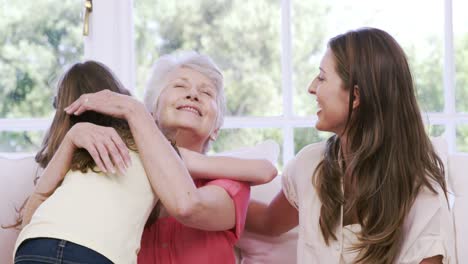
[436, 130]
[230, 139]
[462, 138]
[241, 36]
[307, 135]
[460, 28]
[26, 141]
[420, 34]
[38, 39]
[308, 46]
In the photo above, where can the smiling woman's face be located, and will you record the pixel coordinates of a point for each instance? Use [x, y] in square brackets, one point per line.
[332, 98]
[188, 103]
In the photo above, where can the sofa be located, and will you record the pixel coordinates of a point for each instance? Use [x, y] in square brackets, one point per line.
[18, 173]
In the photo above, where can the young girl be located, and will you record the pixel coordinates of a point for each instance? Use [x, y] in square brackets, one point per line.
[91, 215]
[375, 191]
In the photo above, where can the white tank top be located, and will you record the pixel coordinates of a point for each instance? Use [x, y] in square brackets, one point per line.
[105, 213]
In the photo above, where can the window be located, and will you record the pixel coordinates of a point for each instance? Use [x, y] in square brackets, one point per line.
[314, 22]
[268, 50]
[421, 38]
[243, 37]
[38, 40]
[295, 32]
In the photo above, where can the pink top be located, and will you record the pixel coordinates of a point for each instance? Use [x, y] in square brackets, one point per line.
[168, 241]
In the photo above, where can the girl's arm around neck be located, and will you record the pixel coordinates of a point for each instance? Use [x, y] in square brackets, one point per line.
[254, 171]
[56, 169]
[51, 177]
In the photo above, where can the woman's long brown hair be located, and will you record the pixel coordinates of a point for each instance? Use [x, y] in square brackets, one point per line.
[81, 78]
[390, 155]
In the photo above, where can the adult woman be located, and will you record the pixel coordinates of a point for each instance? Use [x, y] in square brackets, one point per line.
[375, 192]
[206, 216]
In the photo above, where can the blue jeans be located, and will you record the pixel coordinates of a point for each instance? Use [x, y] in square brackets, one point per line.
[56, 251]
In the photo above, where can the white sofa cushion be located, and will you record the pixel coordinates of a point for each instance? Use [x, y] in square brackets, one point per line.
[256, 248]
[458, 178]
[458, 174]
[16, 184]
[253, 248]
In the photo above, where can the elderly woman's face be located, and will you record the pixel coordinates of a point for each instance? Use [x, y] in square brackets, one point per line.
[188, 102]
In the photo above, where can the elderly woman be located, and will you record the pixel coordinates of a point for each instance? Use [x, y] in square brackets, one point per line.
[185, 99]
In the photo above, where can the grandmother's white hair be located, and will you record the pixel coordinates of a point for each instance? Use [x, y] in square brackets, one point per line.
[190, 59]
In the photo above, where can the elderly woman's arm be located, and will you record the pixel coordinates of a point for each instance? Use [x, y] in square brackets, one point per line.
[208, 208]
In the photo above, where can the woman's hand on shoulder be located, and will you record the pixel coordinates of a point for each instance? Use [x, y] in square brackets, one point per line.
[105, 102]
[103, 144]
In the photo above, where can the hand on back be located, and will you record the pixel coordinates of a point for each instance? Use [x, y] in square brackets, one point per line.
[104, 145]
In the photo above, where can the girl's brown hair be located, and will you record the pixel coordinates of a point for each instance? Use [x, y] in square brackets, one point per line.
[390, 155]
[82, 78]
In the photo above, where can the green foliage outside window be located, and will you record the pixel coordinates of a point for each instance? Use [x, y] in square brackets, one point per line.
[38, 39]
